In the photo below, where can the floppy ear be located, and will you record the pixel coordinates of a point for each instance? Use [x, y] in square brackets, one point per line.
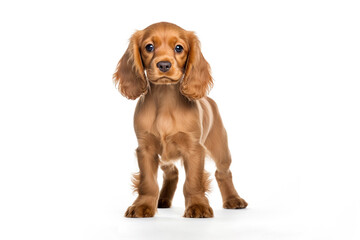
[129, 76]
[197, 79]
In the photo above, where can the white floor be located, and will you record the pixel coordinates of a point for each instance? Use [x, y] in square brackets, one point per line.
[287, 211]
[90, 205]
[255, 222]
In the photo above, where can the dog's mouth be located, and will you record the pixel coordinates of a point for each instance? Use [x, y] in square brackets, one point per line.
[164, 80]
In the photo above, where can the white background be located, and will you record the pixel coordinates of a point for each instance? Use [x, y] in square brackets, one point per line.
[287, 82]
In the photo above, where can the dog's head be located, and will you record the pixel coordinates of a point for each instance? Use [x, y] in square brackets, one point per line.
[163, 53]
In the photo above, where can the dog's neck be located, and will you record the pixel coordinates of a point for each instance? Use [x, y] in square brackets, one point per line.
[167, 95]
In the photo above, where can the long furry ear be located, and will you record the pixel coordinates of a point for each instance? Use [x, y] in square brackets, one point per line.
[197, 79]
[129, 76]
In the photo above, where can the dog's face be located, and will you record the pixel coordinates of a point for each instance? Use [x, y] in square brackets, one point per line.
[164, 50]
[163, 53]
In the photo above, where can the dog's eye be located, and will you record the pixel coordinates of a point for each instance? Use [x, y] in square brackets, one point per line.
[149, 47]
[178, 48]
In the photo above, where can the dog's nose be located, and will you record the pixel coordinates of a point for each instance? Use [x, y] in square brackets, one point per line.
[164, 66]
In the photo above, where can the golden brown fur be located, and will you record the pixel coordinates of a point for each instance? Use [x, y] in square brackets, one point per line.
[174, 119]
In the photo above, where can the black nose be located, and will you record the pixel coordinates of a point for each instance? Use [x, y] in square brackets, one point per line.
[164, 66]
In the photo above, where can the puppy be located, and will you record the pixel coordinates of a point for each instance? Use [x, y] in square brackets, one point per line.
[174, 119]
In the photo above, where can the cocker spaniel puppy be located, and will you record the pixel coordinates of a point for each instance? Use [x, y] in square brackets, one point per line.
[174, 119]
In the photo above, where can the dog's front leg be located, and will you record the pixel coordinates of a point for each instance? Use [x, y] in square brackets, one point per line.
[196, 184]
[146, 186]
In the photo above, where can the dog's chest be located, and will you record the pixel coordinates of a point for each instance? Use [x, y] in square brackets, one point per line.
[166, 126]
[166, 122]
[169, 123]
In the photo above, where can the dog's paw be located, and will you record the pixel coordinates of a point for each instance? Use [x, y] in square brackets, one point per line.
[164, 203]
[235, 203]
[139, 211]
[199, 211]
